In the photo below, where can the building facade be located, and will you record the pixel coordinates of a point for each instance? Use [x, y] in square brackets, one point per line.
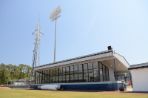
[101, 68]
[139, 74]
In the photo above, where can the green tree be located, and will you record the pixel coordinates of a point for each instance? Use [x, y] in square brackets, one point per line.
[12, 72]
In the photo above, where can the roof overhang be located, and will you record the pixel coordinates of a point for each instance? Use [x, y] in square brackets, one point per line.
[101, 56]
[121, 63]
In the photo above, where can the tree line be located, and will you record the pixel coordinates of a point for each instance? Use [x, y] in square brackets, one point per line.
[10, 72]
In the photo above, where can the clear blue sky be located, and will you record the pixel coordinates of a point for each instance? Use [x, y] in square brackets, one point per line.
[85, 26]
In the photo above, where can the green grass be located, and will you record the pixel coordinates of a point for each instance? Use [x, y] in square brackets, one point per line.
[19, 93]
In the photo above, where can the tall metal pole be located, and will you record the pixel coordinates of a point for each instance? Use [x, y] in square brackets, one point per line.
[54, 16]
[55, 38]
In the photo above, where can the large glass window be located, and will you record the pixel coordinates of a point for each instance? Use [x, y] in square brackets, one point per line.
[86, 72]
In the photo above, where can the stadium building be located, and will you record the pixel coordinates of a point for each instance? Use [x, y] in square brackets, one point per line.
[99, 71]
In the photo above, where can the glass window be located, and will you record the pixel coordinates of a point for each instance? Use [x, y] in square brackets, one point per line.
[80, 76]
[64, 70]
[46, 76]
[75, 77]
[87, 72]
[85, 67]
[86, 77]
[91, 76]
[80, 68]
[60, 79]
[64, 74]
[67, 78]
[90, 66]
[71, 77]
[68, 70]
[53, 79]
[56, 79]
[71, 69]
[96, 76]
[55, 71]
[95, 66]
[75, 68]
[60, 71]
[50, 72]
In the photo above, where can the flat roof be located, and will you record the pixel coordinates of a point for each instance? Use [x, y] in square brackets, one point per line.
[76, 58]
[137, 66]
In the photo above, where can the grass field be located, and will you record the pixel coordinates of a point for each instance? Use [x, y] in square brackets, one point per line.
[19, 93]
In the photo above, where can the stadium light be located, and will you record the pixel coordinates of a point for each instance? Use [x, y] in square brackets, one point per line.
[54, 16]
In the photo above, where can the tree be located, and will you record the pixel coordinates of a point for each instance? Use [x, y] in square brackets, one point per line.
[12, 72]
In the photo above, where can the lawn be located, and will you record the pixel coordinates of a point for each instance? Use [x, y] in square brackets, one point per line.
[19, 93]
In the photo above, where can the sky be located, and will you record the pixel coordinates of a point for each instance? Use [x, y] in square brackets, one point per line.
[85, 27]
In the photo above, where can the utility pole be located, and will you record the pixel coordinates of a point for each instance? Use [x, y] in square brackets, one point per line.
[54, 16]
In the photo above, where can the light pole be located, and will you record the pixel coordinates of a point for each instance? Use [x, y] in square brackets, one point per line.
[54, 16]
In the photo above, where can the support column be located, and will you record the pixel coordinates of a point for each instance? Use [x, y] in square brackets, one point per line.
[112, 71]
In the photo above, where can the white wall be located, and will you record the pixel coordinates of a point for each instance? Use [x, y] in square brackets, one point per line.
[140, 79]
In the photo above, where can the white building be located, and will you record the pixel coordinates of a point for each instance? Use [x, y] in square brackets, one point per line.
[98, 71]
[139, 74]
